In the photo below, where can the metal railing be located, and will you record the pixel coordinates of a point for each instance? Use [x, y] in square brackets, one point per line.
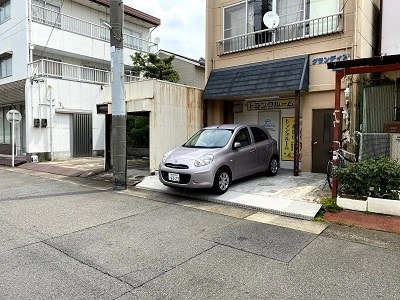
[131, 78]
[55, 69]
[68, 23]
[286, 33]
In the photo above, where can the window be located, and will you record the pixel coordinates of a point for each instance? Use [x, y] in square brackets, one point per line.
[295, 21]
[243, 137]
[5, 10]
[289, 12]
[132, 39]
[5, 65]
[44, 12]
[259, 134]
[5, 127]
[234, 25]
[104, 33]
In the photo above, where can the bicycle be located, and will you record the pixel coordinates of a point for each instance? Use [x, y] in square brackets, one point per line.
[343, 160]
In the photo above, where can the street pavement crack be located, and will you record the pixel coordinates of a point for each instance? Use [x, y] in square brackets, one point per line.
[250, 252]
[86, 264]
[174, 267]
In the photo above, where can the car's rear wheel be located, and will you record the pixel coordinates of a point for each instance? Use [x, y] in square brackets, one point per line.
[222, 181]
[273, 167]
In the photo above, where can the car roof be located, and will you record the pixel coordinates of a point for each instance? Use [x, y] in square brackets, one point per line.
[230, 126]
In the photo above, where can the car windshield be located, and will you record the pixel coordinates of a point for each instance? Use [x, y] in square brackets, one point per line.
[209, 138]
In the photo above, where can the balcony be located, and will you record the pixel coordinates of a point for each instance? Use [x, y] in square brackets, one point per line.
[55, 69]
[283, 34]
[68, 23]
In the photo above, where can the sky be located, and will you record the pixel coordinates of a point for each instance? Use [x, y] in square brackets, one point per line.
[182, 29]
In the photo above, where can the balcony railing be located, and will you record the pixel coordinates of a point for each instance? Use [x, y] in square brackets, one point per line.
[55, 69]
[283, 34]
[68, 23]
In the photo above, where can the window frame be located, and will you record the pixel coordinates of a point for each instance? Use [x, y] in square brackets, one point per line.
[5, 126]
[5, 7]
[246, 132]
[7, 60]
[133, 39]
[259, 135]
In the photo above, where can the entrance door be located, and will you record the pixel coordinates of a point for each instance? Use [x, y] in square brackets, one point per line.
[82, 135]
[322, 138]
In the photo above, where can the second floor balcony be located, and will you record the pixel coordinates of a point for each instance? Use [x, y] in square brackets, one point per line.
[283, 34]
[69, 23]
[54, 69]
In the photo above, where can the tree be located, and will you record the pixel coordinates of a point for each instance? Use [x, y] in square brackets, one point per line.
[137, 131]
[153, 66]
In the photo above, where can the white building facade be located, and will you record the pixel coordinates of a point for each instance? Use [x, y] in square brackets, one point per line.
[54, 64]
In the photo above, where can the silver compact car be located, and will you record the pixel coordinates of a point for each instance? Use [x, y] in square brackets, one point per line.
[217, 155]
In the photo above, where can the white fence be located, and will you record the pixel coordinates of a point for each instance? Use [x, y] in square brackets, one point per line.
[81, 27]
[55, 69]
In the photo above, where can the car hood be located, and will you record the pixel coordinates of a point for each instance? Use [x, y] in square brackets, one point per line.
[184, 154]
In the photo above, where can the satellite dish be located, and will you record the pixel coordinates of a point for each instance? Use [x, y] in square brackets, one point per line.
[157, 40]
[271, 19]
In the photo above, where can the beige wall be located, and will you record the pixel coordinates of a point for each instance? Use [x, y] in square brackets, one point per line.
[310, 102]
[357, 40]
[176, 113]
[360, 32]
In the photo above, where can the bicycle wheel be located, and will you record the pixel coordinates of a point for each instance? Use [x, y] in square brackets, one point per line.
[329, 173]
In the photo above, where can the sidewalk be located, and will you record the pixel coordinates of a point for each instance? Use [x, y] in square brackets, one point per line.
[139, 176]
[365, 220]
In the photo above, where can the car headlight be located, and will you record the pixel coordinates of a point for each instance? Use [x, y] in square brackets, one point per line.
[166, 156]
[204, 160]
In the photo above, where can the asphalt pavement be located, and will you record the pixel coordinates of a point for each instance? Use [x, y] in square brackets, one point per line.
[284, 194]
[76, 238]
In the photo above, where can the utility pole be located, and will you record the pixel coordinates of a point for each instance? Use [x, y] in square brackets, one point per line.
[118, 95]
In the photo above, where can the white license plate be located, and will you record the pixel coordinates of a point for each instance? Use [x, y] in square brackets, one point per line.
[173, 177]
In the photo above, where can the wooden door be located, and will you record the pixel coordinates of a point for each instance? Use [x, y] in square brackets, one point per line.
[322, 138]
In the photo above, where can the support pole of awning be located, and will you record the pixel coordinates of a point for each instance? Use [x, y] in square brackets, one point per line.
[336, 127]
[296, 134]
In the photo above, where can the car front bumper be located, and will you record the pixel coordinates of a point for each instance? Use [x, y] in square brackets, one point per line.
[202, 177]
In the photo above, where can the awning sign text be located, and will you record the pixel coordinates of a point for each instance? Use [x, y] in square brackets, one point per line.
[270, 104]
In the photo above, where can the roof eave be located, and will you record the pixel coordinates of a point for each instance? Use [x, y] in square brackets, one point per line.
[133, 13]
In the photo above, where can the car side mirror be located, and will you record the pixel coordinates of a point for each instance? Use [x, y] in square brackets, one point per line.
[236, 145]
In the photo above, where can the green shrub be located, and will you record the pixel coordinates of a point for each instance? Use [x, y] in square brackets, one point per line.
[378, 177]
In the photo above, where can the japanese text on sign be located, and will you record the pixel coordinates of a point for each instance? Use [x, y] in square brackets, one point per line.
[287, 139]
[331, 58]
[270, 104]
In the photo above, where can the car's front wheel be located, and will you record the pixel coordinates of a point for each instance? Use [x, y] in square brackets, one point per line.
[222, 181]
[273, 167]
